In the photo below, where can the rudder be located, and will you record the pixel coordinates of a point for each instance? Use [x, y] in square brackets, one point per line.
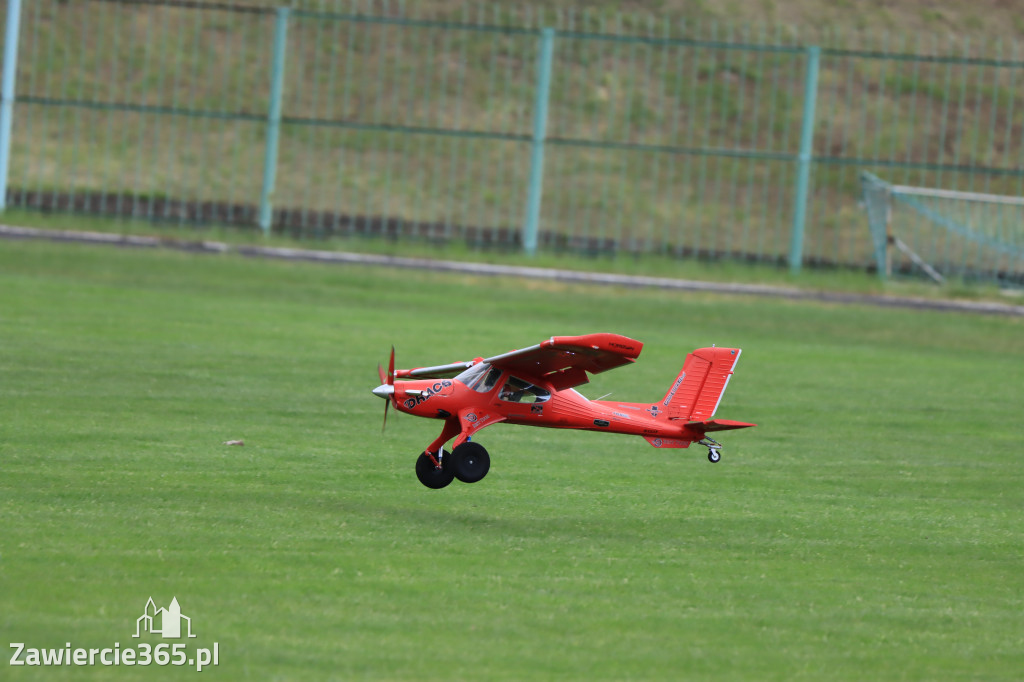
[698, 389]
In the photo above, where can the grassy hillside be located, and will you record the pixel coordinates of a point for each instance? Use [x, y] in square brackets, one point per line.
[990, 18]
[869, 527]
[424, 130]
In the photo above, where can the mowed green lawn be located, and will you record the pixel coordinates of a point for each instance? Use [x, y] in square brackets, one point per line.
[871, 527]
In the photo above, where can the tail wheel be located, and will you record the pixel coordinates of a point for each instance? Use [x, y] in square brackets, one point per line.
[713, 447]
[430, 475]
[470, 462]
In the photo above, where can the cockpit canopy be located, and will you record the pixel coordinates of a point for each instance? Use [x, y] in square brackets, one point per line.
[519, 391]
[482, 378]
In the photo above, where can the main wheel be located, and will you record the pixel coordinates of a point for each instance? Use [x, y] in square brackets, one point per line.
[470, 462]
[713, 456]
[430, 475]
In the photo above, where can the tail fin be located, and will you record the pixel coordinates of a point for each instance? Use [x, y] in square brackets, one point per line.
[698, 389]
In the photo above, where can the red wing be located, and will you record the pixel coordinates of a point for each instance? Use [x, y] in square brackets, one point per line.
[565, 360]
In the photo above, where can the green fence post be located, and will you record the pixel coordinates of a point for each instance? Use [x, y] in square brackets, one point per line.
[540, 118]
[273, 117]
[878, 206]
[804, 159]
[7, 93]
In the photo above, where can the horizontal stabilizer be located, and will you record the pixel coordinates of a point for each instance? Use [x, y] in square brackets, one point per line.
[717, 425]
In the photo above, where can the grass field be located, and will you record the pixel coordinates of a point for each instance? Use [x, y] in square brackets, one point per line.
[871, 527]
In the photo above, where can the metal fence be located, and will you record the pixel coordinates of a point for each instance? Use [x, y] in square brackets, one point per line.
[944, 233]
[499, 125]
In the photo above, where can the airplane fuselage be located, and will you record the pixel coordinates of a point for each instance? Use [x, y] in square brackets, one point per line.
[538, 405]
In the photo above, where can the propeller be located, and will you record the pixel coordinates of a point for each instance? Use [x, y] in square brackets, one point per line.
[387, 388]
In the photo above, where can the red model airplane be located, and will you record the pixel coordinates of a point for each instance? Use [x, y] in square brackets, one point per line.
[534, 386]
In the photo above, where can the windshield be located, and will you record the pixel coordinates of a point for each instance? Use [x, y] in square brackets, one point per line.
[480, 377]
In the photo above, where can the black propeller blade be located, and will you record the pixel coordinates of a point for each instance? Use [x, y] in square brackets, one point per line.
[389, 380]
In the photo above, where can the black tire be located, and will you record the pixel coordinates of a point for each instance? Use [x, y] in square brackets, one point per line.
[470, 462]
[431, 476]
[714, 456]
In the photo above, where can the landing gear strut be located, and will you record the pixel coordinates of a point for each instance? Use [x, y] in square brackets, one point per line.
[432, 475]
[713, 447]
[469, 463]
